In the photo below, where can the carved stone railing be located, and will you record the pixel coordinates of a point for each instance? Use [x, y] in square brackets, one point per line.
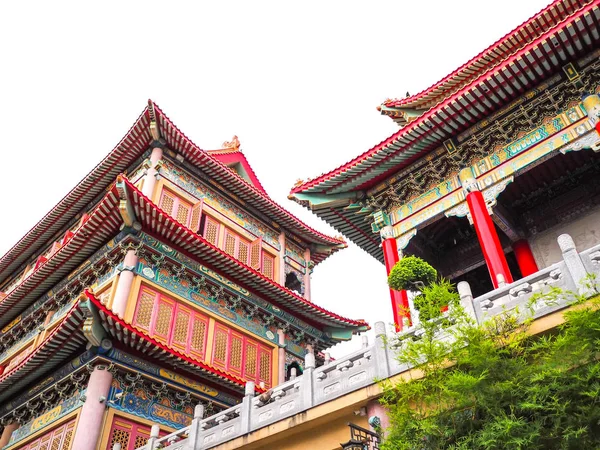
[362, 367]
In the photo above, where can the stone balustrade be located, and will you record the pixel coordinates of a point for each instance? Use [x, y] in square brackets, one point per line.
[371, 362]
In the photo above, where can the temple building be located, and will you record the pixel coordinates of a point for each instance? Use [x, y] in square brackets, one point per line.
[166, 279]
[490, 164]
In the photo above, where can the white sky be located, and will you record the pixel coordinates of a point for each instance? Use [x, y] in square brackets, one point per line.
[298, 82]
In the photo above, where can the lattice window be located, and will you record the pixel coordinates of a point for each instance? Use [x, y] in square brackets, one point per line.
[58, 438]
[129, 434]
[250, 366]
[220, 350]
[143, 314]
[268, 266]
[243, 251]
[140, 441]
[235, 354]
[230, 240]
[163, 319]
[242, 355]
[256, 254]
[196, 217]
[176, 207]
[180, 330]
[198, 340]
[264, 371]
[211, 230]
[167, 202]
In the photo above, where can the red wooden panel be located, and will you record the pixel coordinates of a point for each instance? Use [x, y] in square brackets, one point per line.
[142, 317]
[236, 352]
[264, 365]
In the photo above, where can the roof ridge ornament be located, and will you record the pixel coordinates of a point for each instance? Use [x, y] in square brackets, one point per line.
[234, 144]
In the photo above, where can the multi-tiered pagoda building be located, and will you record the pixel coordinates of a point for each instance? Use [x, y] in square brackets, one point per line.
[165, 279]
[490, 164]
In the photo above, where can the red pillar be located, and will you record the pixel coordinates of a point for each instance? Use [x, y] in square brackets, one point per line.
[400, 305]
[525, 258]
[488, 237]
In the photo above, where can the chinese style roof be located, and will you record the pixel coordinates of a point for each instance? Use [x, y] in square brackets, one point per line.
[231, 156]
[61, 343]
[103, 223]
[137, 140]
[159, 224]
[483, 93]
[140, 341]
[527, 32]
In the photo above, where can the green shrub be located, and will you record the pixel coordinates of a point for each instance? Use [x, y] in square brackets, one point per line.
[411, 273]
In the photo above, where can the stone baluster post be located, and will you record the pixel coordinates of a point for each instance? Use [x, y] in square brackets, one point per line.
[466, 299]
[574, 264]
[117, 446]
[381, 351]
[246, 411]
[307, 386]
[281, 356]
[194, 433]
[364, 341]
[154, 432]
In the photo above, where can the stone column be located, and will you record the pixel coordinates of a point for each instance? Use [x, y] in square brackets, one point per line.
[119, 304]
[400, 307]
[8, 431]
[282, 258]
[307, 274]
[525, 258]
[150, 177]
[89, 427]
[281, 350]
[485, 229]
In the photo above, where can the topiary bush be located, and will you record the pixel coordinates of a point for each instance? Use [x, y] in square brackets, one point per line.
[411, 273]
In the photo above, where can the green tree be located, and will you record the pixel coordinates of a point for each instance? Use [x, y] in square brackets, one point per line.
[496, 386]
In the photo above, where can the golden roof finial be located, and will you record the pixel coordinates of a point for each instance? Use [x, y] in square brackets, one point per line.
[233, 144]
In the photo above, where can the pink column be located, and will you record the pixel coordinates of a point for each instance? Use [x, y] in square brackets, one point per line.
[150, 177]
[525, 258]
[124, 283]
[281, 350]
[8, 431]
[485, 229]
[282, 259]
[307, 275]
[400, 306]
[89, 427]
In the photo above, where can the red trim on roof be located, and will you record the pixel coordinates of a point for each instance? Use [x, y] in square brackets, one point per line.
[485, 59]
[415, 126]
[221, 373]
[197, 155]
[231, 158]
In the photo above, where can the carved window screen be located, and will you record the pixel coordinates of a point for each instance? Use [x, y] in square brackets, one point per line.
[59, 438]
[241, 355]
[211, 230]
[181, 210]
[171, 322]
[129, 434]
[268, 266]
